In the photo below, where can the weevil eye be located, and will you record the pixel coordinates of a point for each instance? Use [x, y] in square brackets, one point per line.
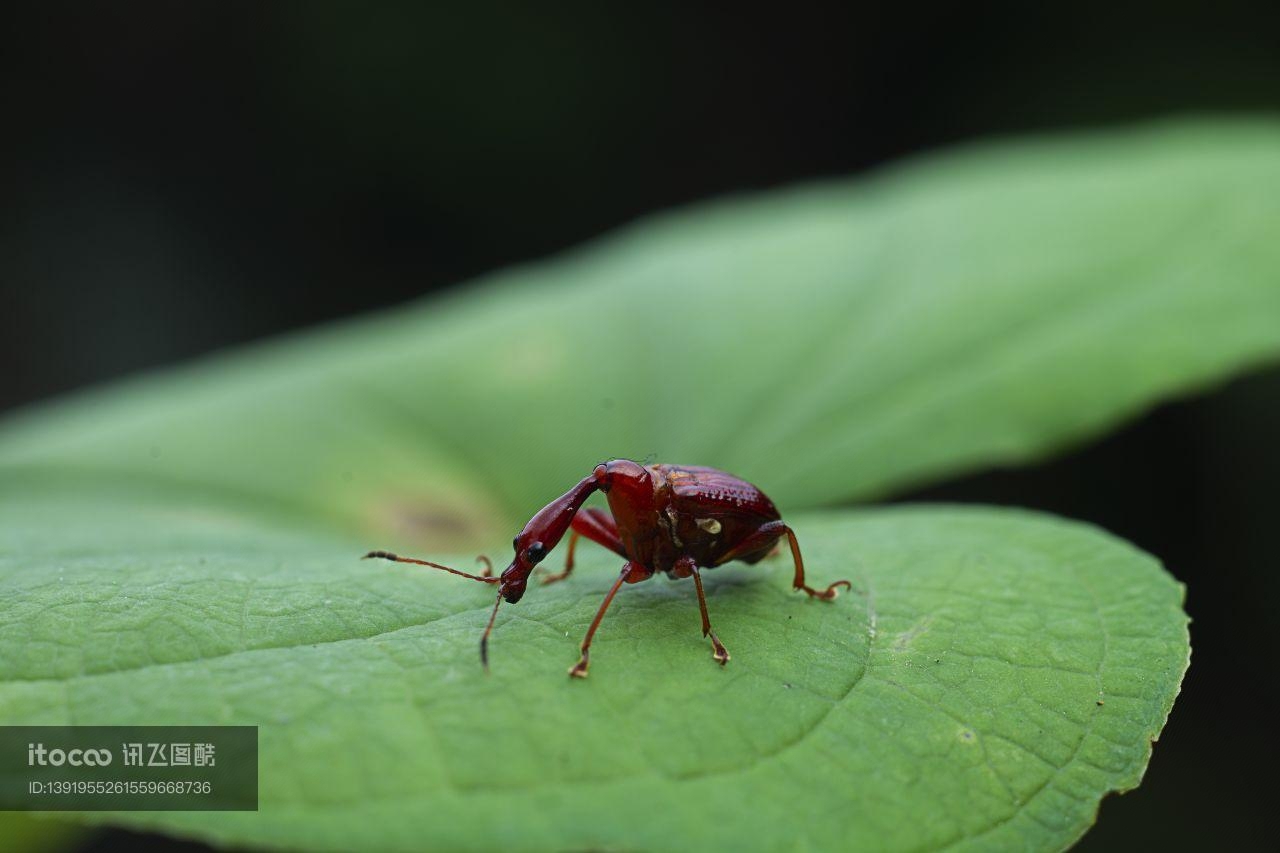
[515, 544]
[536, 552]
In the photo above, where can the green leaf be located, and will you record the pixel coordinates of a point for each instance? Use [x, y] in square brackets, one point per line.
[955, 698]
[180, 549]
[833, 342]
[24, 833]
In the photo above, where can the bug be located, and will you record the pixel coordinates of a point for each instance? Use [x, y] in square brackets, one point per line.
[676, 519]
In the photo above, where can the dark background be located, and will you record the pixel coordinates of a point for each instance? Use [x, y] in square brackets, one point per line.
[180, 177]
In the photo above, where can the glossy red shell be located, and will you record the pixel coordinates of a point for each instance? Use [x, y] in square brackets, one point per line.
[710, 490]
[696, 512]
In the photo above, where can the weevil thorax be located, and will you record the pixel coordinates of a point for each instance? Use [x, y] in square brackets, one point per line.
[541, 534]
[629, 487]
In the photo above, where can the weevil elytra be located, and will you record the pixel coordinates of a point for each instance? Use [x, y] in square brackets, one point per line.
[677, 519]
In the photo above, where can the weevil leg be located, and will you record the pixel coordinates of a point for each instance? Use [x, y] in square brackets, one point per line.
[598, 526]
[718, 652]
[798, 582]
[769, 532]
[553, 577]
[630, 572]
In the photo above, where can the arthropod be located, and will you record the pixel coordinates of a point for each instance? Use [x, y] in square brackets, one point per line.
[676, 519]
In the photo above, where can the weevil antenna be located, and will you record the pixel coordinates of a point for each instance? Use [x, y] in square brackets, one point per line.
[387, 555]
[488, 629]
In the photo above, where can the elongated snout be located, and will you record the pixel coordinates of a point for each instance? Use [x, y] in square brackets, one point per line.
[513, 583]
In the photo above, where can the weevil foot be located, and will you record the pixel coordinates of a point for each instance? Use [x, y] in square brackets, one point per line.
[828, 594]
[579, 669]
[718, 652]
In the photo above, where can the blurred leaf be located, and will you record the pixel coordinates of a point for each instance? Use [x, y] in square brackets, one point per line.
[956, 697]
[829, 343]
[28, 834]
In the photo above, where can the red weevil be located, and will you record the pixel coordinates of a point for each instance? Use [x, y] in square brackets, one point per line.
[677, 519]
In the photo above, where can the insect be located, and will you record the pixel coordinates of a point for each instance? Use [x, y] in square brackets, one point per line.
[676, 519]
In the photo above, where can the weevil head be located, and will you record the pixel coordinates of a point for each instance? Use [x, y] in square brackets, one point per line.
[530, 551]
[543, 532]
